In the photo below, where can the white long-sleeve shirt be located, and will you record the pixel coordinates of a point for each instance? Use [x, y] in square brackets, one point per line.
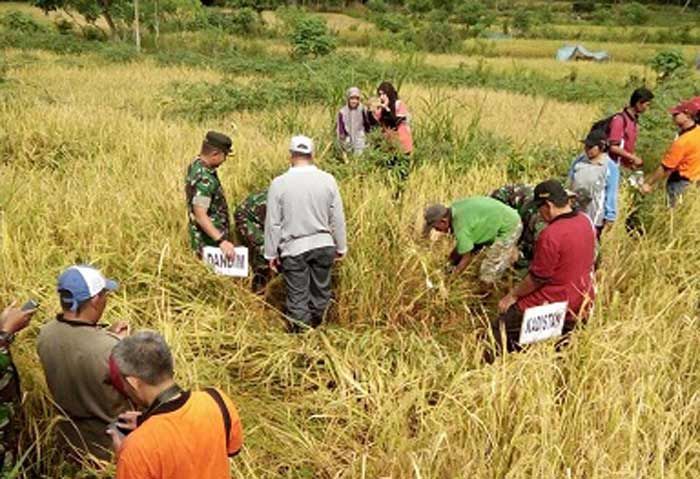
[304, 212]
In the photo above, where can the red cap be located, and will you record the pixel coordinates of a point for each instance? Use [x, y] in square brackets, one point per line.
[690, 107]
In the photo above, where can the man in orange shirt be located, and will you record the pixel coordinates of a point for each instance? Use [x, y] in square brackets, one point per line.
[681, 164]
[181, 434]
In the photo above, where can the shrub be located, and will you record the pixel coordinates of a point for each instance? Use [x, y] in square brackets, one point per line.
[377, 6]
[247, 21]
[391, 22]
[438, 16]
[435, 37]
[21, 22]
[668, 63]
[63, 26]
[522, 20]
[3, 68]
[310, 36]
[420, 6]
[93, 33]
[583, 6]
[634, 13]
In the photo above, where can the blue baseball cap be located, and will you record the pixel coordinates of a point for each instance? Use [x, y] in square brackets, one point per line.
[79, 283]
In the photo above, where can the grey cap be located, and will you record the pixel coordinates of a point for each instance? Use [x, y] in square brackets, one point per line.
[432, 215]
[353, 91]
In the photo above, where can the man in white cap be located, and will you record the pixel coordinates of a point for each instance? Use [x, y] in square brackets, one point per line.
[74, 351]
[304, 234]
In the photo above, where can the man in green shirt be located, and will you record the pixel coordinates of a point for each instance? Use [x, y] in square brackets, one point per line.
[476, 222]
[209, 222]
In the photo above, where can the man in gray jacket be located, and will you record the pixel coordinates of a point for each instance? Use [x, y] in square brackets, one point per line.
[304, 234]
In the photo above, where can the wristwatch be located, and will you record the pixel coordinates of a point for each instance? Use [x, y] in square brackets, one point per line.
[6, 338]
[221, 240]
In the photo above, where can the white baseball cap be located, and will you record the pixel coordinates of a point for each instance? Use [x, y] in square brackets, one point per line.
[301, 144]
[82, 282]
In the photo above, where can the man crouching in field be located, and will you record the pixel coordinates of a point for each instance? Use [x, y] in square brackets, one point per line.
[474, 222]
[209, 221]
[305, 234]
[561, 270]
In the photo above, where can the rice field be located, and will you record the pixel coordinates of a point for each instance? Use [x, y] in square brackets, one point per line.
[538, 48]
[393, 385]
[617, 71]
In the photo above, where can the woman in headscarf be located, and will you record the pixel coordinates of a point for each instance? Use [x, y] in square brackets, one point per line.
[353, 123]
[392, 116]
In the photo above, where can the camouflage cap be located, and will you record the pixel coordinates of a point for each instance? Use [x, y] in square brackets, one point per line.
[432, 215]
[219, 141]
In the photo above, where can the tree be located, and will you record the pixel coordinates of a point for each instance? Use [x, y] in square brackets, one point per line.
[310, 36]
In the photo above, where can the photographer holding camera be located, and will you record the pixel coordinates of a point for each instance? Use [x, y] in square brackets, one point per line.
[181, 434]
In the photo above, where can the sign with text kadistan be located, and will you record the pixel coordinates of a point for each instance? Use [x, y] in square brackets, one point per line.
[543, 322]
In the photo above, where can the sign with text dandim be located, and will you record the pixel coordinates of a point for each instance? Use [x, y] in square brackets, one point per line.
[543, 322]
[237, 267]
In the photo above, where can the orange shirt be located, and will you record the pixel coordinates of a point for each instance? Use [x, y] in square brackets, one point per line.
[684, 155]
[183, 439]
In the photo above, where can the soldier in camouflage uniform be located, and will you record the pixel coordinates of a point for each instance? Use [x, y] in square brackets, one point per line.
[209, 222]
[250, 225]
[12, 320]
[519, 197]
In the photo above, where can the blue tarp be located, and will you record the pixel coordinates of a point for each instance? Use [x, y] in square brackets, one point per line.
[579, 52]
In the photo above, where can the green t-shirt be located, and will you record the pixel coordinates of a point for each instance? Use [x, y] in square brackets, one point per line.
[481, 220]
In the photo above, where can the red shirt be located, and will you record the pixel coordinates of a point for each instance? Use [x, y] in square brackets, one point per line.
[563, 263]
[623, 132]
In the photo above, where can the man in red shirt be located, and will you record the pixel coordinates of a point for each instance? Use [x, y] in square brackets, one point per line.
[561, 270]
[623, 130]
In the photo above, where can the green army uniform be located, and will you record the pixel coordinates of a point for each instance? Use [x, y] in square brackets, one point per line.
[250, 225]
[519, 197]
[202, 186]
[9, 405]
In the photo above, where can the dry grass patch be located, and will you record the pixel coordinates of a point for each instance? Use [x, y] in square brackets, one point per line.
[522, 118]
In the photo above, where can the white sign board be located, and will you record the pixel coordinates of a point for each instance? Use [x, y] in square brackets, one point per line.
[237, 266]
[543, 322]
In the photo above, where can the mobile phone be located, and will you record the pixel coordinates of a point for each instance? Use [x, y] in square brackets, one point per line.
[114, 425]
[30, 305]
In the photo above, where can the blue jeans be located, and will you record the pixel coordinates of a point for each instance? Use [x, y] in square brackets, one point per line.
[675, 186]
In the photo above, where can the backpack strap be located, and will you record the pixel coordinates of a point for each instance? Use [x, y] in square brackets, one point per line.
[224, 411]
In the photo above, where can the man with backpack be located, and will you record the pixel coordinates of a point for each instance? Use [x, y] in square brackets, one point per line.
[181, 434]
[622, 129]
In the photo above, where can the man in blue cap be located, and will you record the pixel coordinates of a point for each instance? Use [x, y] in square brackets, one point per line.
[74, 351]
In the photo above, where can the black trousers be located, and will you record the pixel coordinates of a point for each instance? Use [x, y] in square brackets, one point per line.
[308, 280]
[506, 331]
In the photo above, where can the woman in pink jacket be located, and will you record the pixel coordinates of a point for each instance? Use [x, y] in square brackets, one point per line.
[392, 115]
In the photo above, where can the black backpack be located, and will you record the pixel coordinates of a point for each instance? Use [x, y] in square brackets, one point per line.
[604, 124]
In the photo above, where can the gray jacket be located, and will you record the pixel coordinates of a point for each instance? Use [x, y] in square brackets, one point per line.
[304, 212]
